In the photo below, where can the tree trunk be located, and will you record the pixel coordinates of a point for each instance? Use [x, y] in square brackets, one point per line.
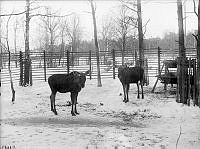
[96, 44]
[61, 49]
[15, 43]
[26, 70]
[11, 81]
[0, 40]
[140, 32]
[198, 57]
[9, 69]
[123, 47]
[182, 56]
[51, 50]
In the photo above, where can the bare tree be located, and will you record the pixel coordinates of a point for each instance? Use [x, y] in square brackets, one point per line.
[124, 27]
[182, 79]
[9, 69]
[197, 37]
[108, 32]
[73, 31]
[96, 44]
[62, 30]
[51, 25]
[140, 33]
[0, 34]
[15, 25]
[29, 13]
[132, 5]
[123, 30]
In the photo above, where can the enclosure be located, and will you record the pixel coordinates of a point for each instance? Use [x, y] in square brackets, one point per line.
[44, 64]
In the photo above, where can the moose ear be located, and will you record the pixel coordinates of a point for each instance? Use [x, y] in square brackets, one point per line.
[87, 72]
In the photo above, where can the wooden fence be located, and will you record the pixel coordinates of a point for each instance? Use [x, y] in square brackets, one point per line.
[44, 64]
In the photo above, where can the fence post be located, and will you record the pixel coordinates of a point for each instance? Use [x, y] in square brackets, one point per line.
[146, 72]
[178, 81]
[195, 84]
[15, 55]
[189, 82]
[45, 71]
[165, 85]
[90, 63]
[30, 73]
[68, 61]
[21, 68]
[113, 55]
[185, 78]
[9, 57]
[159, 73]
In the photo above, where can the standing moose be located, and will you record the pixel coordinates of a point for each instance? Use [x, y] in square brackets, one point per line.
[129, 75]
[72, 82]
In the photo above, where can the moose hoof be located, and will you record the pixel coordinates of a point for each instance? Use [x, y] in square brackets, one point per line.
[55, 112]
[77, 113]
[73, 114]
[126, 101]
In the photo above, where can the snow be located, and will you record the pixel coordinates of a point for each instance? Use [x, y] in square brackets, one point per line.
[105, 121]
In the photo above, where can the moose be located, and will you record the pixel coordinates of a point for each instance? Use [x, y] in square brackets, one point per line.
[129, 75]
[63, 83]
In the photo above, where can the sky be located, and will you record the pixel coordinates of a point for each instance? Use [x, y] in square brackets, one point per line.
[162, 15]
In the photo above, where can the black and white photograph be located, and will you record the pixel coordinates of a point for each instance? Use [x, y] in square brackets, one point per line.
[100, 74]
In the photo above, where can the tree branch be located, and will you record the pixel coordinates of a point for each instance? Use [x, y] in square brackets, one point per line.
[195, 8]
[146, 27]
[195, 36]
[128, 2]
[47, 15]
[13, 14]
[178, 137]
[129, 8]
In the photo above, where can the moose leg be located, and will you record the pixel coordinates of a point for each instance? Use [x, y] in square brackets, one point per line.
[127, 89]
[53, 106]
[142, 90]
[51, 101]
[124, 89]
[138, 96]
[76, 104]
[73, 101]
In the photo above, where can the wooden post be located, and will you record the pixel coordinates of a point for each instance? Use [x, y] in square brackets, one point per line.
[159, 71]
[159, 61]
[146, 72]
[178, 81]
[140, 34]
[45, 71]
[30, 73]
[157, 80]
[113, 55]
[185, 80]
[68, 61]
[165, 85]
[189, 82]
[182, 55]
[9, 57]
[21, 68]
[90, 63]
[195, 84]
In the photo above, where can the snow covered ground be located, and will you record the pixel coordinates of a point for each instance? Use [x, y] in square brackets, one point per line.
[155, 122]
